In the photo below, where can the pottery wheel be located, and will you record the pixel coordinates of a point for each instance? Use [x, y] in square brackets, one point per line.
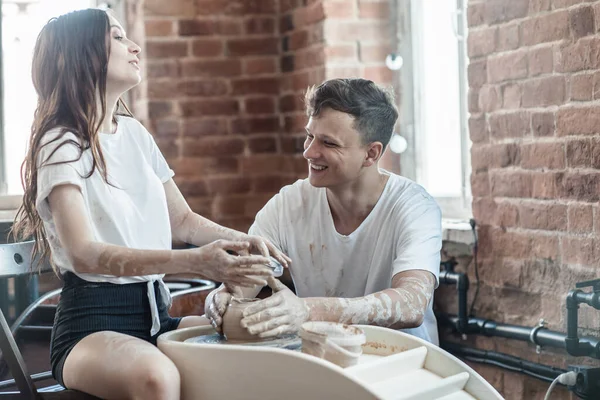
[290, 342]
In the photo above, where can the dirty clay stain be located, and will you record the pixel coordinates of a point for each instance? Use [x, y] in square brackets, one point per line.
[389, 349]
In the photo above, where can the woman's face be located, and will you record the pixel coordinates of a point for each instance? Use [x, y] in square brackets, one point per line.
[123, 63]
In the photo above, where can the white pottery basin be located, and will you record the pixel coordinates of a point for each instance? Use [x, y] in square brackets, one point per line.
[394, 365]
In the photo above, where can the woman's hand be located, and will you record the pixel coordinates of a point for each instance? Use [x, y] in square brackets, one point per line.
[213, 262]
[265, 247]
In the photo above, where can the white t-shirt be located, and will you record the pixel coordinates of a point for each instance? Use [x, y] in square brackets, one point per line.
[402, 232]
[132, 212]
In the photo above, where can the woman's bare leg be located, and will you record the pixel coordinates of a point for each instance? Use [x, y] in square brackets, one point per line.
[112, 365]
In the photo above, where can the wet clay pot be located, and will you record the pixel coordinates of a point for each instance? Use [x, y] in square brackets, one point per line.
[341, 344]
[232, 329]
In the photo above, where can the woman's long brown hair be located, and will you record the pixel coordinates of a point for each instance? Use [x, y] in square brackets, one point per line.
[69, 72]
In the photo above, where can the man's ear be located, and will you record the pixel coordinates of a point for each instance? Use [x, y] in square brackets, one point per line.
[374, 153]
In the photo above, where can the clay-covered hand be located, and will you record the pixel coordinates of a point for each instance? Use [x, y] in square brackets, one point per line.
[266, 248]
[282, 313]
[218, 303]
[213, 261]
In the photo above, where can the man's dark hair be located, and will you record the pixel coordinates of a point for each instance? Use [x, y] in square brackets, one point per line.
[372, 107]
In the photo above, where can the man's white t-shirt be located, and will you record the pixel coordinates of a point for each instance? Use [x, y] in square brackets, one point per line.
[402, 232]
[131, 213]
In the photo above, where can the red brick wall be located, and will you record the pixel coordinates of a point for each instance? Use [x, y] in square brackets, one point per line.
[225, 79]
[213, 87]
[303, 63]
[533, 73]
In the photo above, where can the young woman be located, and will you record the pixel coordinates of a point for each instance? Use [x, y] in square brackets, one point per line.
[100, 200]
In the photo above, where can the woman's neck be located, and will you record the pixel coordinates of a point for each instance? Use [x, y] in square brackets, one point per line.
[108, 126]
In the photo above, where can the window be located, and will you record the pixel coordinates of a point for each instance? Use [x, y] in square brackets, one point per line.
[434, 117]
[20, 24]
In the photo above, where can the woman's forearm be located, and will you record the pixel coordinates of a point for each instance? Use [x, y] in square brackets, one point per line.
[108, 259]
[197, 230]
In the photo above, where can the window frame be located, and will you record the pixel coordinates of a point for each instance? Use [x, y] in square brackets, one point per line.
[10, 202]
[458, 207]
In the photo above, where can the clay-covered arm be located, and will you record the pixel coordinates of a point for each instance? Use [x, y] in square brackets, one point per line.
[192, 228]
[400, 307]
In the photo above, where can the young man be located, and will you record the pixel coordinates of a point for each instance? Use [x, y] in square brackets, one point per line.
[365, 243]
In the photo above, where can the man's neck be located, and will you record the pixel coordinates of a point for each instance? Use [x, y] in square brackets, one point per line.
[351, 203]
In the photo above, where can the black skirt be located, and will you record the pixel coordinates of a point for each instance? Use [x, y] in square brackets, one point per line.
[88, 307]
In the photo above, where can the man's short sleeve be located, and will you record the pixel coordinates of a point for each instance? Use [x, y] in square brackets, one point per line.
[420, 239]
[58, 163]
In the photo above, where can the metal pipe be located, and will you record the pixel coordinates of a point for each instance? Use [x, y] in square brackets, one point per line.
[579, 346]
[539, 335]
[592, 298]
[572, 340]
[463, 318]
[506, 361]
[588, 346]
[462, 286]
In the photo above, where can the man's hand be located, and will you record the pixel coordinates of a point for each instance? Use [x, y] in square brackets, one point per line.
[282, 313]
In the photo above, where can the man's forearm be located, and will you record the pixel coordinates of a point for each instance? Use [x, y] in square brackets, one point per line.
[398, 308]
